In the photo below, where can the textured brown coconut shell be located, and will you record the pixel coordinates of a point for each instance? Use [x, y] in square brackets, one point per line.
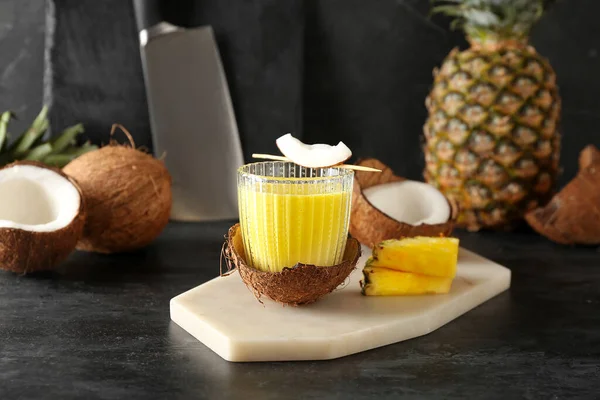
[371, 226]
[128, 198]
[588, 156]
[573, 214]
[302, 284]
[25, 251]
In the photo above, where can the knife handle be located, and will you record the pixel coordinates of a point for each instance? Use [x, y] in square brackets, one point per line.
[147, 13]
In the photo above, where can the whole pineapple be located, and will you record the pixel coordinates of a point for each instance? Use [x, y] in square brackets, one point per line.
[491, 139]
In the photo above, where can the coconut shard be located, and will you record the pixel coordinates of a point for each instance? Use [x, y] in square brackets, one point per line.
[298, 285]
[573, 214]
[386, 206]
[42, 215]
[312, 155]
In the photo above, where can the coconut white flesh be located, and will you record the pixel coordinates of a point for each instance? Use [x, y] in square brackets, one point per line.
[411, 202]
[313, 155]
[36, 199]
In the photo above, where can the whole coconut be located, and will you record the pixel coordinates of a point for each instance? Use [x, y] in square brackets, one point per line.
[128, 198]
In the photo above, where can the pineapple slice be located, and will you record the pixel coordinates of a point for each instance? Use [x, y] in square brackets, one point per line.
[388, 282]
[432, 256]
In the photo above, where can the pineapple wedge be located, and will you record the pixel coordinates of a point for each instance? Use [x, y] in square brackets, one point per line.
[388, 282]
[432, 256]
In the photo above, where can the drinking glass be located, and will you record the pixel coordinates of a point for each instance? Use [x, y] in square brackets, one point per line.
[291, 214]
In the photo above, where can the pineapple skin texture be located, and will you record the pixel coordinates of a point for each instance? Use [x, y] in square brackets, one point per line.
[421, 255]
[491, 139]
[380, 281]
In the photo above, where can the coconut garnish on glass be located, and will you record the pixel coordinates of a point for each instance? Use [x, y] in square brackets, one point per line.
[292, 243]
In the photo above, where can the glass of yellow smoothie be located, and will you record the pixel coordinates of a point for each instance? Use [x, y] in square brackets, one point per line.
[291, 214]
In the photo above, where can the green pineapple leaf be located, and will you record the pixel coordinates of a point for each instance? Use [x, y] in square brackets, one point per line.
[29, 137]
[38, 153]
[493, 19]
[67, 138]
[4, 120]
[68, 155]
[31, 145]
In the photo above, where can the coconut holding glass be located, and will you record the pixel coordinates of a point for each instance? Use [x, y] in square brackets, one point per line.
[292, 243]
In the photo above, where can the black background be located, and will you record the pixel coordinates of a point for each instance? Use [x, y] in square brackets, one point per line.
[327, 70]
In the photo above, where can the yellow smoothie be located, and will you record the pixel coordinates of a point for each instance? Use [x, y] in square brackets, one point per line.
[284, 223]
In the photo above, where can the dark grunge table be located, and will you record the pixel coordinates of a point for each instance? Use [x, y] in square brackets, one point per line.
[99, 328]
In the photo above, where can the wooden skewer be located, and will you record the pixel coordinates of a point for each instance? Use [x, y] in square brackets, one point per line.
[358, 168]
[347, 166]
[270, 157]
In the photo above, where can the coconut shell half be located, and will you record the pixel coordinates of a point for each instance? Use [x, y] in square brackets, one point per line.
[573, 214]
[371, 225]
[24, 251]
[299, 285]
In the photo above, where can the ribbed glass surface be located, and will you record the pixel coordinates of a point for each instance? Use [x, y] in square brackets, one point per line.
[291, 214]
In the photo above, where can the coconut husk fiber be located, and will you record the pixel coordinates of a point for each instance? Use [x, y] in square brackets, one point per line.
[371, 225]
[573, 214]
[24, 251]
[299, 285]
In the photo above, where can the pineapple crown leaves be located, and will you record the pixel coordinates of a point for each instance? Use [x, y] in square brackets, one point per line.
[493, 19]
[31, 145]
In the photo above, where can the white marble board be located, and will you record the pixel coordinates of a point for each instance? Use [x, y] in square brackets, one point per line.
[224, 315]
